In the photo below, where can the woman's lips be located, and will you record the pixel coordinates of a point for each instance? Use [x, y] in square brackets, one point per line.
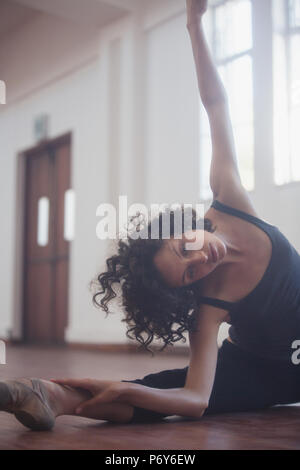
[214, 253]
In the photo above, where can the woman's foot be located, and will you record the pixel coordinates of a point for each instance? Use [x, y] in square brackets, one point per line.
[30, 401]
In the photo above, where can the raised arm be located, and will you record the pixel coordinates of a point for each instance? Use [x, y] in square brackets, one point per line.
[210, 85]
[225, 180]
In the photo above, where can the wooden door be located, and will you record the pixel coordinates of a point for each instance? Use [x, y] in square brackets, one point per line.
[46, 252]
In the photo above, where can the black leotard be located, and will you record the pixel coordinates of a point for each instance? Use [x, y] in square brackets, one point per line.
[267, 321]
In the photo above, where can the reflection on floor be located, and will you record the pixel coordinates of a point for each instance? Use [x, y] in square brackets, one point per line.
[277, 428]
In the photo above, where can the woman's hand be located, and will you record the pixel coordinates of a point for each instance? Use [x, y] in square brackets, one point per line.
[195, 9]
[102, 391]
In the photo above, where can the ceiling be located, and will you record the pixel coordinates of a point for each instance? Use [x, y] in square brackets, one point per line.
[12, 16]
[90, 13]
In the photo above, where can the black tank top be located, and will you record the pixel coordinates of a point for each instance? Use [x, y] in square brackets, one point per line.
[267, 321]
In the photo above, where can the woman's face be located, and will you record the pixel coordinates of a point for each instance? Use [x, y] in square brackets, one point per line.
[180, 266]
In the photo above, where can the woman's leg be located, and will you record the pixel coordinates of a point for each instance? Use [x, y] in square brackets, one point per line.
[242, 383]
[66, 399]
[37, 403]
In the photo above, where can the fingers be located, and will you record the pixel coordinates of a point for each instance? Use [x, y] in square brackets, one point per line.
[109, 395]
[90, 404]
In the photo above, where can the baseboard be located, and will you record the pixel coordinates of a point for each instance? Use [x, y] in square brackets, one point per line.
[106, 347]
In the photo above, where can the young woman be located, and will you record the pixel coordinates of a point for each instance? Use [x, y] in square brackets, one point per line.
[246, 274]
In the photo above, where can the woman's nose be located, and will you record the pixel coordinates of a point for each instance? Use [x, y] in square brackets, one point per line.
[204, 257]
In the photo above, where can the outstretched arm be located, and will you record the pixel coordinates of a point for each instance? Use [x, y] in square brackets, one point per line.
[225, 180]
[171, 401]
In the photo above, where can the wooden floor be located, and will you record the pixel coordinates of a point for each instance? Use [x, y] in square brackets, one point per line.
[278, 428]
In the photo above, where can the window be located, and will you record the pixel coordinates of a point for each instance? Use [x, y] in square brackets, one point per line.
[228, 27]
[43, 221]
[69, 215]
[286, 62]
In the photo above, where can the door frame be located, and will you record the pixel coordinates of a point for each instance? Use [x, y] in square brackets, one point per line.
[18, 329]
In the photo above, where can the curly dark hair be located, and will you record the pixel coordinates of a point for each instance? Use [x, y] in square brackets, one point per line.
[152, 309]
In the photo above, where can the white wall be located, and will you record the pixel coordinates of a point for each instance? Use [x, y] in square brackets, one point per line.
[172, 115]
[76, 100]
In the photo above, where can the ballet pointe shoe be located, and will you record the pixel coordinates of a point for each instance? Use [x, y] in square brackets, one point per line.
[28, 400]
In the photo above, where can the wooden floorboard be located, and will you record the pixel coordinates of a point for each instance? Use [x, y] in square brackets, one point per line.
[274, 429]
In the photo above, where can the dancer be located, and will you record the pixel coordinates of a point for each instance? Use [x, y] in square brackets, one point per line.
[246, 273]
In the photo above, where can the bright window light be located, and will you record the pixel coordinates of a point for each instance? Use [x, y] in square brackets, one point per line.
[294, 13]
[233, 31]
[286, 46]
